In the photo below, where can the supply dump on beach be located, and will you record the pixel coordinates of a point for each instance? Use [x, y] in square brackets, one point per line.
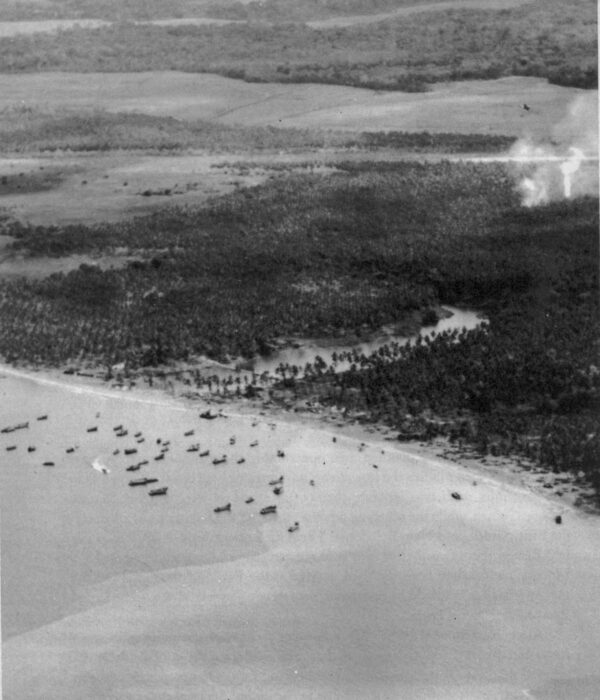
[388, 588]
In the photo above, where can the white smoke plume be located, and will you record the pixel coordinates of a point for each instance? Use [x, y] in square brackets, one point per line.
[565, 167]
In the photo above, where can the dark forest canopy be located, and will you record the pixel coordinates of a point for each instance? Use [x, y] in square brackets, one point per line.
[345, 253]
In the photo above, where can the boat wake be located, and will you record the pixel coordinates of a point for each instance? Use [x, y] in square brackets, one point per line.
[99, 467]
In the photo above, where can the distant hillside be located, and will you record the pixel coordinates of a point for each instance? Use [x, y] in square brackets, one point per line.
[543, 38]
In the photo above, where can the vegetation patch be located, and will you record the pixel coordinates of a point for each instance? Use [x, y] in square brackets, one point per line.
[542, 39]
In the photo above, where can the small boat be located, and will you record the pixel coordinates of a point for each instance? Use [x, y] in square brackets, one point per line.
[166, 443]
[268, 509]
[249, 500]
[48, 464]
[116, 452]
[254, 443]
[137, 435]
[222, 509]
[188, 433]
[143, 481]
[241, 460]
[10, 448]
[276, 482]
[141, 464]
[93, 430]
[44, 417]
[204, 454]
[12, 428]
[375, 466]
[312, 482]
[232, 440]
[456, 495]
[277, 490]
[158, 492]
[280, 453]
[160, 456]
[294, 527]
[140, 440]
[219, 460]
[70, 450]
[193, 448]
[130, 451]
[31, 449]
[164, 450]
[133, 468]
[207, 415]
[122, 433]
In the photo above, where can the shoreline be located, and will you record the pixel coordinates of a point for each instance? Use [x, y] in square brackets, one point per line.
[508, 471]
[106, 588]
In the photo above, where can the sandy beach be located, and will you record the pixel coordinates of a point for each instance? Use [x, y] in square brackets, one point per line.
[107, 593]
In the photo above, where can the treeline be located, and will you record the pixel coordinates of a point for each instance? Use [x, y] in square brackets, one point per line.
[26, 129]
[542, 39]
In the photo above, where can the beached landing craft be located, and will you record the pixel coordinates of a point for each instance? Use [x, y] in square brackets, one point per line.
[294, 527]
[267, 510]
[130, 451]
[241, 460]
[10, 448]
[204, 454]
[158, 492]
[193, 448]
[278, 490]
[280, 453]
[207, 415]
[188, 433]
[160, 456]
[133, 468]
[254, 443]
[276, 482]
[223, 509]
[44, 417]
[143, 481]
[94, 429]
[220, 460]
[48, 464]
[249, 500]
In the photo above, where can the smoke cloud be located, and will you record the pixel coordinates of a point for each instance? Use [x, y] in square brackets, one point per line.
[565, 167]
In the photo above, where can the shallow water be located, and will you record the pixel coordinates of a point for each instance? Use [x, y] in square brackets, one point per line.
[309, 350]
[390, 588]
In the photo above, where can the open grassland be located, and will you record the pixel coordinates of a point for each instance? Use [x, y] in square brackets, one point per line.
[541, 39]
[473, 107]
